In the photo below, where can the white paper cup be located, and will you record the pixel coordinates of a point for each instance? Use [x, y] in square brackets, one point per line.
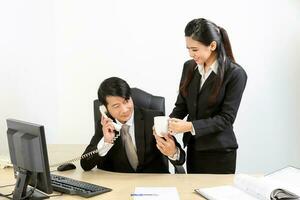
[161, 125]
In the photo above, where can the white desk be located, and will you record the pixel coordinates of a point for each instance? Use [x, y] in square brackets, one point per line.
[122, 184]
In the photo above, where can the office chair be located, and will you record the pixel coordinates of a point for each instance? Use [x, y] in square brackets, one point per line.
[144, 100]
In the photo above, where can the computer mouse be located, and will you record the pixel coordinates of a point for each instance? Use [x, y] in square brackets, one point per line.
[66, 166]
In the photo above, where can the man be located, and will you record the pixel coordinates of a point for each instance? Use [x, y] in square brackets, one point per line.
[135, 150]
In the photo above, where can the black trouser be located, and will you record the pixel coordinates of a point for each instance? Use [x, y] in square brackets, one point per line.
[211, 162]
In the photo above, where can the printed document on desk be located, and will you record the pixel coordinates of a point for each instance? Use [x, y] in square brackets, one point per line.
[249, 188]
[288, 175]
[155, 193]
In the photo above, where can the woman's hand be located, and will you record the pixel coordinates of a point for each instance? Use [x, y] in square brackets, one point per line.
[107, 129]
[179, 126]
[166, 144]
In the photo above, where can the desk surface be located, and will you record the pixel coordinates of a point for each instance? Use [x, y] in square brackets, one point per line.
[122, 184]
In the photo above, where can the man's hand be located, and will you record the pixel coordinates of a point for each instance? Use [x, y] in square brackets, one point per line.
[179, 126]
[107, 129]
[166, 144]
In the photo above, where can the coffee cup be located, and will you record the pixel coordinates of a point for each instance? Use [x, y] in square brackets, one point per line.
[161, 125]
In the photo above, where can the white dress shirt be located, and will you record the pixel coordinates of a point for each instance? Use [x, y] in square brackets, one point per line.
[204, 75]
[104, 147]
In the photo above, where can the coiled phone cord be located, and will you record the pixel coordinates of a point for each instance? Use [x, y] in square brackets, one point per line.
[84, 155]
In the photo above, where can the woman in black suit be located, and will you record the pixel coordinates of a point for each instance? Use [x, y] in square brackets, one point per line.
[210, 92]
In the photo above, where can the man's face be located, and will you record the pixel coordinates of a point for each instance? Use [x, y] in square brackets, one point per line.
[120, 108]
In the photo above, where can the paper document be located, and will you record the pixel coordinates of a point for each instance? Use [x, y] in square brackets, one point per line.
[288, 175]
[226, 192]
[282, 184]
[155, 193]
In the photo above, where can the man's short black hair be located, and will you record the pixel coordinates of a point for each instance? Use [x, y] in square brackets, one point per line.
[113, 86]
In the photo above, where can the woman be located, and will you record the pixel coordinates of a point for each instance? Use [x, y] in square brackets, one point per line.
[210, 92]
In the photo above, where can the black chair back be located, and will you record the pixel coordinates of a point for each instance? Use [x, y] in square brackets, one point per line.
[145, 100]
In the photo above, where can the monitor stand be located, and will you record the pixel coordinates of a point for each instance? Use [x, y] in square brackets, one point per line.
[22, 189]
[37, 195]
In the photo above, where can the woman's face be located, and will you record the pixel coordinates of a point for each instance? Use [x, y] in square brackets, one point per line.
[198, 51]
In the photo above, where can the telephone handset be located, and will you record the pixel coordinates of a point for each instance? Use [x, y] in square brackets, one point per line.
[117, 127]
[103, 111]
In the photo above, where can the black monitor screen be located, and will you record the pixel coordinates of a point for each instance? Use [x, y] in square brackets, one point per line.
[28, 153]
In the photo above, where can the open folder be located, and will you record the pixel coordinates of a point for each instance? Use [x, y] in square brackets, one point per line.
[282, 184]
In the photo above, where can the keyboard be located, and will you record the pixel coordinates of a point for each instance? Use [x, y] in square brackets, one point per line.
[75, 187]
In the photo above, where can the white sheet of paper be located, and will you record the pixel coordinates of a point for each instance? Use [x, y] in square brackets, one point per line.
[288, 178]
[155, 193]
[227, 192]
[289, 175]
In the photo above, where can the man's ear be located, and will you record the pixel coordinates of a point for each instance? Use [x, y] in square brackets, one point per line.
[213, 46]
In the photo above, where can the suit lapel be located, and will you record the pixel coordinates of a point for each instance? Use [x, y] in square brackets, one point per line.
[209, 82]
[139, 133]
[194, 89]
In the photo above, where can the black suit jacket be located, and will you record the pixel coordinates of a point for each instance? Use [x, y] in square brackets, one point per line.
[213, 123]
[151, 160]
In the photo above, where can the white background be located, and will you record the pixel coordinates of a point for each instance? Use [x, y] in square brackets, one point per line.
[54, 54]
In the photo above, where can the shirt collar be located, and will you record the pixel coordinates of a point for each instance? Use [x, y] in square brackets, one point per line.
[129, 122]
[213, 67]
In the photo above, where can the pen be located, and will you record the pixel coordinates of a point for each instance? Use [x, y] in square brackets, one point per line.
[143, 194]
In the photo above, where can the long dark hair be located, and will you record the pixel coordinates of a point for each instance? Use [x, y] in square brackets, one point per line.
[205, 31]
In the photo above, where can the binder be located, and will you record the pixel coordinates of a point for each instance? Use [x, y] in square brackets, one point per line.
[281, 184]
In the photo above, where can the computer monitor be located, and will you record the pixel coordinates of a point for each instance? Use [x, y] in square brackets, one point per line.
[28, 154]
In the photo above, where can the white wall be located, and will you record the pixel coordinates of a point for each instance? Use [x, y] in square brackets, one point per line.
[54, 54]
[28, 75]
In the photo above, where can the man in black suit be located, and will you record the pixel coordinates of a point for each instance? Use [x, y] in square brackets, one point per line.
[135, 150]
